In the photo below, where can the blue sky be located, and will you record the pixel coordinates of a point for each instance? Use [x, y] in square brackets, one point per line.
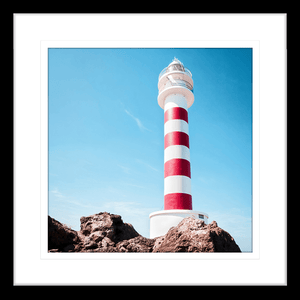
[106, 140]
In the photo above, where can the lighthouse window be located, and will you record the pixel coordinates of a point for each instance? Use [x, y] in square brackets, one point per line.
[201, 217]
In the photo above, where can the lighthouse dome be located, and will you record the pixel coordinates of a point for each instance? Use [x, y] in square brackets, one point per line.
[176, 64]
[176, 61]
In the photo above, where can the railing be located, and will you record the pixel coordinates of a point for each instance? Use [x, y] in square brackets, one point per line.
[167, 70]
[177, 83]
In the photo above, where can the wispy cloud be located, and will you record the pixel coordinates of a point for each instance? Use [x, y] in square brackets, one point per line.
[83, 204]
[71, 203]
[126, 208]
[147, 165]
[135, 185]
[56, 193]
[137, 120]
[124, 169]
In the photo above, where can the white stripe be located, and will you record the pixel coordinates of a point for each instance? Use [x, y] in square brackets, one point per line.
[176, 125]
[176, 100]
[177, 184]
[177, 151]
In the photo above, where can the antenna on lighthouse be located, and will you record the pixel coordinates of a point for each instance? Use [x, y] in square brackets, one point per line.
[177, 60]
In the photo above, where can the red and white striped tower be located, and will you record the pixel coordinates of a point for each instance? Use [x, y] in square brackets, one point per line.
[176, 95]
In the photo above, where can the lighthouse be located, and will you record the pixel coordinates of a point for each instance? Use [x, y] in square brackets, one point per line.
[175, 97]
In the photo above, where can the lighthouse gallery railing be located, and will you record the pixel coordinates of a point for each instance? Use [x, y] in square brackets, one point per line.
[177, 82]
[168, 70]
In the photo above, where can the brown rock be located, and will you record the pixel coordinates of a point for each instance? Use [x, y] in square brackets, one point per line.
[192, 235]
[137, 244]
[108, 225]
[60, 236]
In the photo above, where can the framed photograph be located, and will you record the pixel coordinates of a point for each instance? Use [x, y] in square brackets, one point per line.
[102, 145]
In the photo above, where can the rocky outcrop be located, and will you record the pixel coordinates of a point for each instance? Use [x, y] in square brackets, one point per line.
[101, 232]
[105, 232]
[192, 235]
[61, 238]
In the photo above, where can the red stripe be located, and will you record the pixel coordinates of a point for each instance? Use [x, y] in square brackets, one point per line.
[178, 201]
[176, 138]
[177, 166]
[174, 113]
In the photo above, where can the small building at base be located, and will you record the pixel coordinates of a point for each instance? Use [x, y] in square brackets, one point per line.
[161, 221]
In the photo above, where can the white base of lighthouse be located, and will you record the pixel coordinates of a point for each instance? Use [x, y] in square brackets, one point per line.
[161, 221]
